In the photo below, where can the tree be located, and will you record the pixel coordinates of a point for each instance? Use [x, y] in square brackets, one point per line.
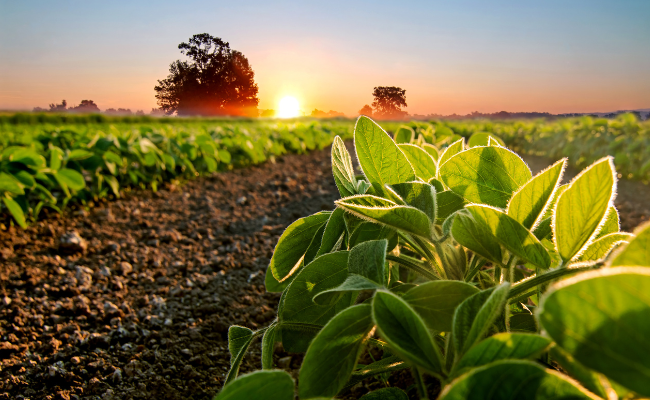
[59, 107]
[388, 102]
[86, 106]
[216, 80]
[366, 110]
[324, 114]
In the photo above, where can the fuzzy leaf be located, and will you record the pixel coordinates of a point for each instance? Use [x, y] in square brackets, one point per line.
[368, 259]
[333, 353]
[601, 247]
[334, 229]
[450, 151]
[267, 385]
[637, 252]
[529, 203]
[514, 379]
[405, 332]
[404, 135]
[389, 393]
[436, 302]
[612, 223]
[381, 161]
[475, 316]
[488, 175]
[476, 237]
[432, 150]
[16, 211]
[70, 178]
[239, 339]
[423, 164]
[342, 168]
[502, 346]
[602, 319]
[580, 210]
[415, 194]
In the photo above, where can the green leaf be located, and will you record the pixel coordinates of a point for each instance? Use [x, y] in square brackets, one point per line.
[415, 194]
[436, 185]
[423, 164]
[436, 302]
[601, 247]
[368, 259]
[25, 178]
[476, 237]
[480, 139]
[70, 178]
[325, 272]
[353, 283]
[268, 345]
[602, 318]
[488, 175]
[432, 150]
[543, 229]
[16, 211]
[514, 379]
[293, 245]
[587, 378]
[511, 234]
[315, 245]
[333, 353]
[114, 184]
[447, 203]
[369, 231]
[239, 339]
[334, 229]
[267, 385]
[475, 316]
[381, 161]
[56, 158]
[611, 225]
[529, 203]
[10, 184]
[79, 154]
[502, 346]
[404, 134]
[375, 209]
[449, 152]
[582, 208]
[403, 329]
[389, 393]
[114, 158]
[342, 169]
[637, 252]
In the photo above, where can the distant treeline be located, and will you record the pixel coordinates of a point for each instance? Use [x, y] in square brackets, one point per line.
[27, 118]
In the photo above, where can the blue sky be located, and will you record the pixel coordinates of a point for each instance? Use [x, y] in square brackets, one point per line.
[459, 56]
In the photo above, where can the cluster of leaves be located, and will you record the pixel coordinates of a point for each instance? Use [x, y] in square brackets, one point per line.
[44, 165]
[456, 263]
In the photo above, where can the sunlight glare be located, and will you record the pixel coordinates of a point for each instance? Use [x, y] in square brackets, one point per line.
[288, 107]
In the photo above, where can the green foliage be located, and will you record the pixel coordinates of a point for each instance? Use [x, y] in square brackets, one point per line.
[441, 265]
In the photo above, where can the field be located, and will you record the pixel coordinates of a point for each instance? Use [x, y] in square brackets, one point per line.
[176, 222]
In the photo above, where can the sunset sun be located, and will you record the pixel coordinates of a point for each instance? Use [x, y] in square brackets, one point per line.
[288, 107]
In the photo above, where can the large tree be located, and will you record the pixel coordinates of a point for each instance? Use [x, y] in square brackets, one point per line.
[388, 102]
[215, 80]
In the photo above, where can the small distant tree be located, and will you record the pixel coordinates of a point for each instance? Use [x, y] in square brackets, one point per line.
[157, 112]
[389, 101]
[39, 110]
[216, 80]
[267, 113]
[366, 110]
[86, 106]
[326, 114]
[59, 107]
[139, 113]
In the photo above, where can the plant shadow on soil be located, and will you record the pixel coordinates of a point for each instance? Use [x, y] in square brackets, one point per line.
[143, 311]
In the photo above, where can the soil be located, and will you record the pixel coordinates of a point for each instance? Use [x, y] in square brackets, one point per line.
[133, 299]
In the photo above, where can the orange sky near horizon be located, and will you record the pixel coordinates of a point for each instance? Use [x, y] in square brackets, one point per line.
[593, 56]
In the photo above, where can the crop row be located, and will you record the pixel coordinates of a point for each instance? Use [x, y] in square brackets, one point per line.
[48, 165]
[474, 273]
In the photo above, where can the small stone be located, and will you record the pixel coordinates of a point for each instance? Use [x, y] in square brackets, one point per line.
[84, 276]
[98, 340]
[126, 268]
[117, 376]
[75, 360]
[112, 248]
[111, 309]
[187, 352]
[71, 242]
[6, 300]
[284, 362]
[104, 271]
[132, 368]
[7, 348]
[242, 200]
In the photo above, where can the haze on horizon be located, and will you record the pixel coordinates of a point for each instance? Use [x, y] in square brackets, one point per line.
[558, 57]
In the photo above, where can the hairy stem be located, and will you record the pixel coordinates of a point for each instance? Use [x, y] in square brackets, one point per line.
[419, 382]
[412, 266]
[524, 285]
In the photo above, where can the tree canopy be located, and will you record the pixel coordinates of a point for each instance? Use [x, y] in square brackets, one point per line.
[215, 80]
[388, 103]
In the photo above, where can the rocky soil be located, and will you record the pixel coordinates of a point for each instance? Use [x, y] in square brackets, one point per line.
[133, 299]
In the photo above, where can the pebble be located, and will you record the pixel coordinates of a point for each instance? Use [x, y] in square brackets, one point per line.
[71, 242]
[6, 300]
[110, 308]
[126, 268]
[84, 276]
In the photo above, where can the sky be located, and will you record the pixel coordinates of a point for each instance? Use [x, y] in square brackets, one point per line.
[450, 56]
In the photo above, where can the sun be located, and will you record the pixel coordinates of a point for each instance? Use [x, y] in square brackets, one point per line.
[288, 107]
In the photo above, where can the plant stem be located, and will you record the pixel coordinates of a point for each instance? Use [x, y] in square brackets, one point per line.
[419, 381]
[510, 274]
[412, 266]
[429, 255]
[523, 286]
[475, 266]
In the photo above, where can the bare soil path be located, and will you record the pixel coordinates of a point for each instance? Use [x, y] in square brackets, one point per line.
[142, 311]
